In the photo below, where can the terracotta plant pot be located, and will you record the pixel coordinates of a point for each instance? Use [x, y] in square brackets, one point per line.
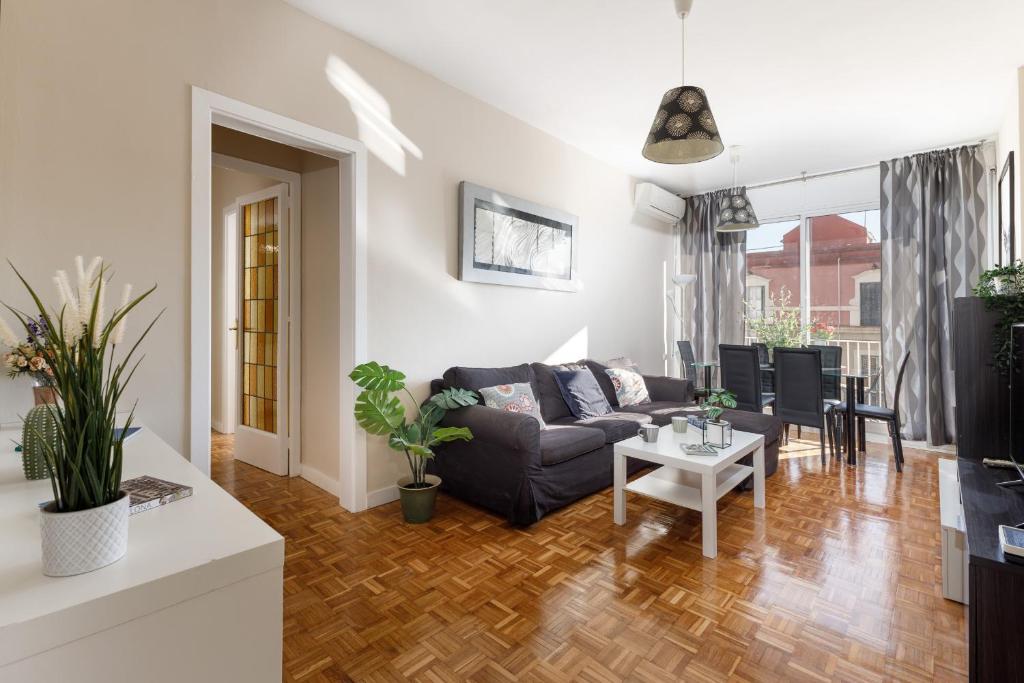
[79, 542]
[418, 503]
[44, 395]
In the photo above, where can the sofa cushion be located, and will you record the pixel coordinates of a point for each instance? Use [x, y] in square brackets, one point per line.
[630, 388]
[616, 426]
[478, 378]
[513, 398]
[582, 393]
[547, 391]
[559, 443]
[603, 380]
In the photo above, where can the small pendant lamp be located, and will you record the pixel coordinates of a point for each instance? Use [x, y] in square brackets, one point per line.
[734, 211]
[684, 129]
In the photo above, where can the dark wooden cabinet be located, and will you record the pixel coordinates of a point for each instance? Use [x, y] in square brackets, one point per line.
[982, 394]
[996, 585]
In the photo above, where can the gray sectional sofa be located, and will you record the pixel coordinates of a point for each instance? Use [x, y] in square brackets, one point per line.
[520, 471]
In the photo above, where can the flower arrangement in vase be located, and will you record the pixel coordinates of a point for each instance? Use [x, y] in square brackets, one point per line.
[85, 526]
[28, 356]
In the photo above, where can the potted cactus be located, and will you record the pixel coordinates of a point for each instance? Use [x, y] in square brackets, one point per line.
[380, 412]
[85, 526]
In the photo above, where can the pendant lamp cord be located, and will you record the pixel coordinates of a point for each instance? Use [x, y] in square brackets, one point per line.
[682, 43]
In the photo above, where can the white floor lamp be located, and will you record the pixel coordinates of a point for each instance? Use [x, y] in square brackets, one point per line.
[680, 280]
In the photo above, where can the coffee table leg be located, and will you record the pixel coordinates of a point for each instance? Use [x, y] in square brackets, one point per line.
[619, 495]
[759, 477]
[709, 514]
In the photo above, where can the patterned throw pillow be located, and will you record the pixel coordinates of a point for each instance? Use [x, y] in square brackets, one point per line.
[630, 388]
[513, 398]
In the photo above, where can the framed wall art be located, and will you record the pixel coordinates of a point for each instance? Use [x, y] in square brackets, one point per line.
[505, 240]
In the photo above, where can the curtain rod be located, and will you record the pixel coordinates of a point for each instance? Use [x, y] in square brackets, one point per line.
[853, 169]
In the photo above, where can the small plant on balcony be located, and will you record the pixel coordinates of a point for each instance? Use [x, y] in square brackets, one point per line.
[821, 330]
[779, 325]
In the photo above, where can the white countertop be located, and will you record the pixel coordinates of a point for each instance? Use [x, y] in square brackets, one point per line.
[175, 552]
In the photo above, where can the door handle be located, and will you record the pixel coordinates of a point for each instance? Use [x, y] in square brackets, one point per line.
[234, 328]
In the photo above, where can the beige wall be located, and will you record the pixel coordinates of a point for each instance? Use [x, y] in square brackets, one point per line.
[94, 159]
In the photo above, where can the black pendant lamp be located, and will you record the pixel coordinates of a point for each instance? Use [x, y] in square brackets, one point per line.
[734, 210]
[684, 129]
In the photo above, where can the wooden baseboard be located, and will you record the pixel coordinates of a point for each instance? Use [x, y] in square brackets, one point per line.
[388, 494]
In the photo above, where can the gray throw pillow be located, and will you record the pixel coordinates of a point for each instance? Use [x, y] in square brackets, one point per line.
[582, 393]
[513, 398]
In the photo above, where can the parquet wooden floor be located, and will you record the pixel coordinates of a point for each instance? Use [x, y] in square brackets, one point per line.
[838, 579]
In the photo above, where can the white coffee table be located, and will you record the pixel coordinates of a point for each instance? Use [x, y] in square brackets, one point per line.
[692, 481]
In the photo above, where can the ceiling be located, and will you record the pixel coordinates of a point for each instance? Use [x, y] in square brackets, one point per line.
[799, 85]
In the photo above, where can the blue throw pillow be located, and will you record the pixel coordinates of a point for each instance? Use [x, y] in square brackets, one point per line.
[582, 393]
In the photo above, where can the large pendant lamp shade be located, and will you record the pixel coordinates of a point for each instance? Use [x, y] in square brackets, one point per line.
[734, 210]
[684, 129]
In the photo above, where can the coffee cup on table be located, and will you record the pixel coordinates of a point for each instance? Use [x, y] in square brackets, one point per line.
[680, 424]
[649, 433]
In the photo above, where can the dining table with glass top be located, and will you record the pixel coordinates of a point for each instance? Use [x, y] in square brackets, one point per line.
[854, 428]
[709, 369]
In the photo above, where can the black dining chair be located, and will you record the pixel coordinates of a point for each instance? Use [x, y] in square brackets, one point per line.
[767, 375]
[831, 372]
[687, 360]
[891, 416]
[799, 396]
[741, 374]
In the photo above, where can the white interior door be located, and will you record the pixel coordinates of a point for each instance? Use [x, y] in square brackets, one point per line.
[261, 436]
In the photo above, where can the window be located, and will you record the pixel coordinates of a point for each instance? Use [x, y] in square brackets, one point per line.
[817, 279]
[870, 304]
[756, 301]
[773, 283]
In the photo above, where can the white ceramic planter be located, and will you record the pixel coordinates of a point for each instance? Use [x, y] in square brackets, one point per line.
[79, 542]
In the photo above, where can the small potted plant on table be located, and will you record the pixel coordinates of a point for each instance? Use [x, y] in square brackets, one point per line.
[380, 412]
[718, 432]
[85, 526]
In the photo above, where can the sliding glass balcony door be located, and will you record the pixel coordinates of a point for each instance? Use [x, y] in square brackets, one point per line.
[816, 279]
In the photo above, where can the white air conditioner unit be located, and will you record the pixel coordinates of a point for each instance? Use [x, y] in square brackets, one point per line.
[658, 202]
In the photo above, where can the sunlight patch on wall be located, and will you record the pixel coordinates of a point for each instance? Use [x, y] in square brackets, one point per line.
[575, 348]
[373, 116]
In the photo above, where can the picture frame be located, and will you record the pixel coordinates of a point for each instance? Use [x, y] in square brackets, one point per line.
[1007, 213]
[507, 240]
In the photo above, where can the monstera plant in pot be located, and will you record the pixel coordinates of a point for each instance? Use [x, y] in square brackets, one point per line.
[380, 412]
[85, 526]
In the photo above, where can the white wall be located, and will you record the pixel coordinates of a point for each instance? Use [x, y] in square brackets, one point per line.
[94, 159]
[1008, 139]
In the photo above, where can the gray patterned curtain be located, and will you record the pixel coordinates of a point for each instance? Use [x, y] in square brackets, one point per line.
[715, 314]
[933, 218]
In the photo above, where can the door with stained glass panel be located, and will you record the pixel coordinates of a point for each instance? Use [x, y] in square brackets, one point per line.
[261, 438]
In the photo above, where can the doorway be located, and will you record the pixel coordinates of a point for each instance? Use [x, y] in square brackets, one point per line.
[342, 469]
[253, 305]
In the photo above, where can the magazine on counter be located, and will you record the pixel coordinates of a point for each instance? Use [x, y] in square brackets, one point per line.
[148, 492]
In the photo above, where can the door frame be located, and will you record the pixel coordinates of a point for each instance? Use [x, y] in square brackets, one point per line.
[210, 108]
[294, 182]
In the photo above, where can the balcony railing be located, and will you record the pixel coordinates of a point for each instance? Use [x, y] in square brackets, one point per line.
[860, 356]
